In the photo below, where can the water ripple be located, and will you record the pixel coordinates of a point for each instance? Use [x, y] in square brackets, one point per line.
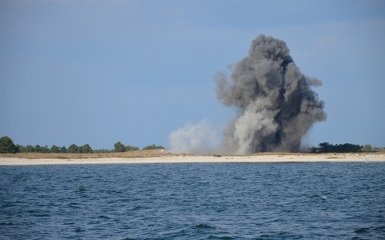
[193, 201]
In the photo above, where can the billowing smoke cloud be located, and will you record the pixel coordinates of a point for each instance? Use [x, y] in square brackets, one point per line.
[275, 102]
[275, 106]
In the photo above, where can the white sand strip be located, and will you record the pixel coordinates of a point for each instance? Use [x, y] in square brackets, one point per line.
[258, 158]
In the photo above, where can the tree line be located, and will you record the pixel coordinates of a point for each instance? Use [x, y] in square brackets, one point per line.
[326, 147]
[8, 146]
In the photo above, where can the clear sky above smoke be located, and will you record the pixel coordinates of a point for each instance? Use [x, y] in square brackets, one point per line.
[107, 70]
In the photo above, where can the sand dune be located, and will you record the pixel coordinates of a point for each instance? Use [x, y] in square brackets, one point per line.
[257, 158]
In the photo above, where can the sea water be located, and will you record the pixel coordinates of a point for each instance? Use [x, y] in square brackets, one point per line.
[193, 201]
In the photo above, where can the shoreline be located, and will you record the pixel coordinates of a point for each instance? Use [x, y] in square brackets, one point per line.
[173, 158]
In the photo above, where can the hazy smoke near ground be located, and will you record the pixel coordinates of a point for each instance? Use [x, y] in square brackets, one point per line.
[275, 102]
[198, 138]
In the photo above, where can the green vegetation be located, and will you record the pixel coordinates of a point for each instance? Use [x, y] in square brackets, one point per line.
[153, 146]
[7, 146]
[326, 147]
[367, 148]
[120, 147]
[73, 148]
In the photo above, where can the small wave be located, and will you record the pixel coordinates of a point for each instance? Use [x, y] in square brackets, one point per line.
[80, 189]
[114, 191]
[73, 205]
[136, 208]
[361, 230]
[257, 208]
[219, 237]
[79, 229]
[203, 226]
[6, 224]
[379, 228]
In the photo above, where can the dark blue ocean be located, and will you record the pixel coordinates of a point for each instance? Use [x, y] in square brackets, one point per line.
[193, 201]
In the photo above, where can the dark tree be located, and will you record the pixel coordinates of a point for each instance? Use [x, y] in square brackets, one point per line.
[7, 145]
[29, 148]
[86, 149]
[73, 148]
[119, 147]
[20, 148]
[55, 149]
[325, 147]
[63, 149]
[38, 148]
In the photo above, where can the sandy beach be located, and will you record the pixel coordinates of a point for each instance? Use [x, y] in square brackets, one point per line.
[171, 158]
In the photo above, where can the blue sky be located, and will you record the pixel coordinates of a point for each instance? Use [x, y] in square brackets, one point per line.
[102, 71]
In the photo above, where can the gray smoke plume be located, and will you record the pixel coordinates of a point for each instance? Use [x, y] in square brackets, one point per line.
[275, 101]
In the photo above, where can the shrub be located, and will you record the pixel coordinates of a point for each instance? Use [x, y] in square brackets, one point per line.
[131, 148]
[153, 146]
